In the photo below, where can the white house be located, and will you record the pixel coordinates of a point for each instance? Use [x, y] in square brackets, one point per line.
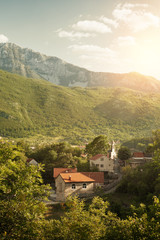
[102, 162]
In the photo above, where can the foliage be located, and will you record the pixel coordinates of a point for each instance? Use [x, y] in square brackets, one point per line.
[30, 107]
[138, 144]
[21, 194]
[55, 155]
[144, 181]
[99, 145]
[79, 223]
[124, 153]
[97, 222]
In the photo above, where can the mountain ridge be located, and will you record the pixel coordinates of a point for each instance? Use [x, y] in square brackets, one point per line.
[28, 63]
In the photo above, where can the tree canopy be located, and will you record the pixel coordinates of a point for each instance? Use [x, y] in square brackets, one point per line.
[55, 155]
[99, 145]
[124, 153]
[21, 195]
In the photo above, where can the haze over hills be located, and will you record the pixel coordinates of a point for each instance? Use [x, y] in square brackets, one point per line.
[26, 62]
[34, 106]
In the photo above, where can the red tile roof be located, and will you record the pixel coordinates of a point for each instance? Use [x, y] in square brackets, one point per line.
[57, 171]
[75, 177]
[97, 156]
[138, 154]
[97, 176]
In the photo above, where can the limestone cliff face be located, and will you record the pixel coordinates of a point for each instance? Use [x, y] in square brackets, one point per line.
[28, 63]
[32, 64]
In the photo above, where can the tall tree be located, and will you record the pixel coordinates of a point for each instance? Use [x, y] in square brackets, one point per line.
[124, 153]
[21, 194]
[99, 145]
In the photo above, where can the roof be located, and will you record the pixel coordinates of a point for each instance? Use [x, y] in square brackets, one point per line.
[57, 171]
[138, 154]
[29, 159]
[97, 156]
[32, 161]
[97, 176]
[75, 177]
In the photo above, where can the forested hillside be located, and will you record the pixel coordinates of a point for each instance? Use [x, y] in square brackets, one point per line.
[30, 107]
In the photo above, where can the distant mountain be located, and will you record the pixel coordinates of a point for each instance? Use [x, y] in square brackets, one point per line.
[26, 62]
[34, 106]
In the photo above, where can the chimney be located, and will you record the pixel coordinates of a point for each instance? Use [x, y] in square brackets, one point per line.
[69, 177]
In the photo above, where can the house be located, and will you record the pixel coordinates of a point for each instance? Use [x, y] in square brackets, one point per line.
[138, 159]
[97, 176]
[32, 161]
[102, 162]
[71, 184]
[57, 171]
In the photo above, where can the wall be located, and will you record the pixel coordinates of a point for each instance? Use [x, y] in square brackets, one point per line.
[60, 188]
[108, 164]
[63, 190]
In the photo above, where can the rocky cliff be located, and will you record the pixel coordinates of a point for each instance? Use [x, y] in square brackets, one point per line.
[28, 63]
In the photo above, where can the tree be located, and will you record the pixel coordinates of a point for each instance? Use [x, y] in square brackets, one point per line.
[156, 139]
[55, 155]
[79, 223]
[21, 194]
[96, 222]
[99, 145]
[124, 153]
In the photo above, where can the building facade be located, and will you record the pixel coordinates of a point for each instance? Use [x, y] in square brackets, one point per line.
[73, 183]
[102, 162]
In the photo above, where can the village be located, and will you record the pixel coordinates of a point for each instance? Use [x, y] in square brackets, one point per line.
[68, 181]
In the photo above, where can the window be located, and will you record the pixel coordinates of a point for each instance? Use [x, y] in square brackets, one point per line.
[84, 185]
[73, 186]
[97, 165]
[102, 165]
[102, 159]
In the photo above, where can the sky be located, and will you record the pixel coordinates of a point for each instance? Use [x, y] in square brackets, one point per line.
[100, 35]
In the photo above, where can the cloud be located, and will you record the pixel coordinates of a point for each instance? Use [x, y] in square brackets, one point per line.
[135, 5]
[74, 35]
[94, 53]
[126, 41]
[135, 16]
[109, 21]
[95, 58]
[91, 26]
[3, 39]
[91, 48]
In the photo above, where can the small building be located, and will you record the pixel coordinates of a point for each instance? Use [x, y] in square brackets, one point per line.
[32, 161]
[57, 171]
[73, 183]
[138, 159]
[102, 162]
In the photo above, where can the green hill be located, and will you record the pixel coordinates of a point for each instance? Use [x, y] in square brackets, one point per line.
[30, 107]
